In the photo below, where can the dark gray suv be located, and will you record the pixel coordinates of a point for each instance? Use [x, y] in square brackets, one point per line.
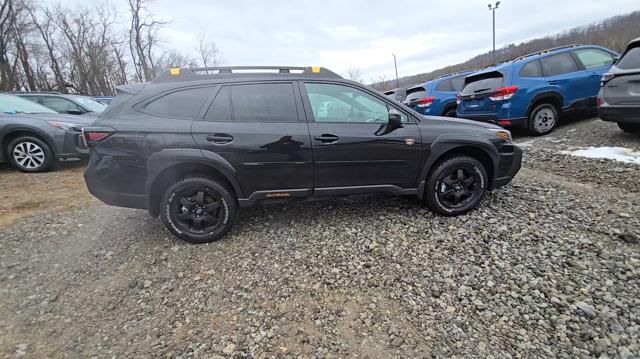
[619, 97]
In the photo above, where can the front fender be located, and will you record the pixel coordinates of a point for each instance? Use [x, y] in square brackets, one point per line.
[448, 143]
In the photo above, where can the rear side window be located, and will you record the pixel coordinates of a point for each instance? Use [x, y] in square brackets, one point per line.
[630, 60]
[444, 86]
[559, 64]
[220, 109]
[592, 58]
[457, 83]
[179, 104]
[482, 84]
[273, 102]
[415, 94]
[531, 69]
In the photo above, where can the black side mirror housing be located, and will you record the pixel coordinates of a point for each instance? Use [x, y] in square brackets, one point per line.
[395, 119]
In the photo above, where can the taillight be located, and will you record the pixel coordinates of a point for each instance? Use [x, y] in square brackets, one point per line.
[504, 93]
[458, 99]
[606, 78]
[426, 101]
[93, 135]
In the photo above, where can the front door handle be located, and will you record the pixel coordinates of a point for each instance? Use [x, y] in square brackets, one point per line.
[327, 138]
[219, 138]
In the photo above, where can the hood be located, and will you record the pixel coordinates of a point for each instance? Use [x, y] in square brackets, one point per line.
[81, 120]
[462, 122]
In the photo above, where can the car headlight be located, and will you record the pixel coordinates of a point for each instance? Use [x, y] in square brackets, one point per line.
[67, 126]
[504, 134]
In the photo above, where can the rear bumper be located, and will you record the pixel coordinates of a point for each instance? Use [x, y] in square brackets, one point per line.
[495, 119]
[101, 178]
[626, 114]
[509, 164]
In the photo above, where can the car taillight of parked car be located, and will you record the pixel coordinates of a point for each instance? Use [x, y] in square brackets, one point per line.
[504, 93]
[426, 101]
[94, 135]
[606, 78]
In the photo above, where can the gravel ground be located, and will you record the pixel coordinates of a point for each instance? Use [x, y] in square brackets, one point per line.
[549, 266]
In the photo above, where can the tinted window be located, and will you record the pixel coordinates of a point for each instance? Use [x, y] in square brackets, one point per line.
[415, 94]
[559, 64]
[457, 83]
[180, 104]
[337, 103]
[220, 109]
[60, 104]
[15, 104]
[630, 60]
[592, 58]
[485, 83]
[444, 86]
[531, 69]
[264, 103]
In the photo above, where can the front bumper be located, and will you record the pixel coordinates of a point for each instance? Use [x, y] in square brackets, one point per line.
[70, 145]
[509, 164]
[625, 114]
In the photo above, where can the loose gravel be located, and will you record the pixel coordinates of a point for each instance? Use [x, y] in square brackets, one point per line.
[548, 266]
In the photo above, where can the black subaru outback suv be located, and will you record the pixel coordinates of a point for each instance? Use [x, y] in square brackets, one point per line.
[194, 145]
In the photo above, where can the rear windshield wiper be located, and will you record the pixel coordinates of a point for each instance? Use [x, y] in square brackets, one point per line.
[482, 90]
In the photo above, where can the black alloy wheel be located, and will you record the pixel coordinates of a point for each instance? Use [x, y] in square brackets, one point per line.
[456, 186]
[199, 210]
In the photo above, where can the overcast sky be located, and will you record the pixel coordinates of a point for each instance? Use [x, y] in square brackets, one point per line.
[342, 34]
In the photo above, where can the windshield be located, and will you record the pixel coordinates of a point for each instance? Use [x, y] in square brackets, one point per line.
[15, 104]
[89, 103]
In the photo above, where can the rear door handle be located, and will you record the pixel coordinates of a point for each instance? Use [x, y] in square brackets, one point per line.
[219, 138]
[327, 138]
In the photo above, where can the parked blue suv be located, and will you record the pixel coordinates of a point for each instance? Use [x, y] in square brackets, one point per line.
[533, 90]
[437, 97]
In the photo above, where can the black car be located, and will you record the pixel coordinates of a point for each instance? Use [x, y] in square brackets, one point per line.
[193, 146]
[65, 103]
[619, 97]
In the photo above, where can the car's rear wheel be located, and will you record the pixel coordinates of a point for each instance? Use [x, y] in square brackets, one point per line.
[199, 209]
[456, 186]
[450, 112]
[543, 119]
[629, 127]
[30, 154]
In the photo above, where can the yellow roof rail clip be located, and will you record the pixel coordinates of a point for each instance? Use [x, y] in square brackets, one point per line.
[174, 71]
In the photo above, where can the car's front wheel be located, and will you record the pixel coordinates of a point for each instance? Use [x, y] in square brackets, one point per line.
[30, 154]
[629, 127]
[456, 186]
[199, 209]
[543, 119]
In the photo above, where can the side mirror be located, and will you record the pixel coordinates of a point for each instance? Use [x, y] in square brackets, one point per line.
[395, 119]
[75, 112]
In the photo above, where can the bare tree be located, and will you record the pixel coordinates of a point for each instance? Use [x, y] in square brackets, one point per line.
[208, 52]
[143, 39]
[354, 75]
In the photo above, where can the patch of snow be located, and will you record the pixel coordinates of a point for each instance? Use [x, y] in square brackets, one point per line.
[613, 153]
[528, 143]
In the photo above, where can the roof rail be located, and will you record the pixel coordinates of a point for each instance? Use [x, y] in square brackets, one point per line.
[545, 51]
[201, 73]
[453, 74]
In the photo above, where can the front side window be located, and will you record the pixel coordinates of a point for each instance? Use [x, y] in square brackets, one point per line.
[593, 58]
[184, 103]
[274, 102]
[337, 103]
[559, 64]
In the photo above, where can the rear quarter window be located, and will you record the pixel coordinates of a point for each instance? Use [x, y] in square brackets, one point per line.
[630, 60]
[184, 103]
[531, 69]
[444, 86]
[457, 83]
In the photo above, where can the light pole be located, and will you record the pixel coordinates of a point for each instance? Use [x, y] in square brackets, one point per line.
[395, 63]
[493, 9]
